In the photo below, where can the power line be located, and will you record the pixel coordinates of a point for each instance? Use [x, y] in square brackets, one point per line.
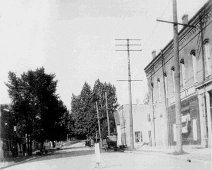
[134, 39]
[129, 44]
[129, 80]
[171, 22]
[128, 50]
[156, 24]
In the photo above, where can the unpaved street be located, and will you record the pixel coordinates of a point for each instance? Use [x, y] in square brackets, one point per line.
[79, 157]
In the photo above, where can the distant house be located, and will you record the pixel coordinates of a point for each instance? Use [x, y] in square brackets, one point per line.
[141, 124]
[6, 130]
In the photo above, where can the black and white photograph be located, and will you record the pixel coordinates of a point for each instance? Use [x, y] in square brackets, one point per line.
[105, 84]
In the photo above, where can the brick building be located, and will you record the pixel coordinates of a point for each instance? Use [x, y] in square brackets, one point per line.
[195, 50]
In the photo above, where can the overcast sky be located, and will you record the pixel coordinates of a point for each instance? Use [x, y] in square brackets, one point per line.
[75, 39]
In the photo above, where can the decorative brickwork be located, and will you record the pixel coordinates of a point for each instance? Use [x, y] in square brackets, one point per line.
[190, 44]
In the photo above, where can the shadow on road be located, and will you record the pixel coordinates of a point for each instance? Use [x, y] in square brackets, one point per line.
[53, 154]
[70, 147]
[64, 154]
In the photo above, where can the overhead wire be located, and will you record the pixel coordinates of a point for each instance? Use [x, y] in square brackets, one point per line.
[156, 23]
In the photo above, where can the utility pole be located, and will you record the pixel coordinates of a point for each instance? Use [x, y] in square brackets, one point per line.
[100, 136]
[153, 114]
[108, 120]
[179, 148]
[206, 136]
[129, 84]
[166, 103]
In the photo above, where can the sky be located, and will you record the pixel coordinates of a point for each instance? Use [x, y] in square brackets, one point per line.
[75, 39]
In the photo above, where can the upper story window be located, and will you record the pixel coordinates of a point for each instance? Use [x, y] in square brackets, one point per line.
[173, 78]
[182, 64]
[194, 64]
[152, 91]
[148, 117]
[165, 82]
[159, 89]
[208, 57]
[152, 85]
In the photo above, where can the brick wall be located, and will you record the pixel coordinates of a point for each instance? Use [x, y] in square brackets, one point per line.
[189, 39]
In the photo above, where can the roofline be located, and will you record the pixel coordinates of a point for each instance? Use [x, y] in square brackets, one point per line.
[209, 2]
[122, 106]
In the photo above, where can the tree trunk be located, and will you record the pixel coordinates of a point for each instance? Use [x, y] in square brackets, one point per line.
[27, 144]
[30, 146]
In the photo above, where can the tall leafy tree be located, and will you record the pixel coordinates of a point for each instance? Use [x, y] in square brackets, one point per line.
[99, 91]
[84, 109]
[36, 105]
[83, 113]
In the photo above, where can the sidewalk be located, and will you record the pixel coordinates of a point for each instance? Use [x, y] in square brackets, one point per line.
[191, 152]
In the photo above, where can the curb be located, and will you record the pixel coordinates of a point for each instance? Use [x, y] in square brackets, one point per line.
[188, 157]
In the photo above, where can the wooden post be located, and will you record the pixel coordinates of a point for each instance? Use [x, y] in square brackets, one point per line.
[165, 104]
[130, 100]
[179, 148]
[100, 136]
[108, 119]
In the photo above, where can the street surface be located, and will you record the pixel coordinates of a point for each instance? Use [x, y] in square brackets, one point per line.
[79, 157]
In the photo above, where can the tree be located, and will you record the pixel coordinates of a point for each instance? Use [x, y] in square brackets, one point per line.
[83, 113]
[84, 109]
[99, 91]
[8, 136]
[36, 105]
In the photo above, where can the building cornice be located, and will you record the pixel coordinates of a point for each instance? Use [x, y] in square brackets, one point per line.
[205, 13]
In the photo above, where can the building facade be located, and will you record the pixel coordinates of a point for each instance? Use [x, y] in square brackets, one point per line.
[141, 124]
[195, 50]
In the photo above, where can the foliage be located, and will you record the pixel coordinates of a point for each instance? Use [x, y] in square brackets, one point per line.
[37, 108]
[84, 109]
[7, 124]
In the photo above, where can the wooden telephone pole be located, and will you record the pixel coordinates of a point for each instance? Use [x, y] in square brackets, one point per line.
[108, 119]
[100, 136]
[179, 148]
[129, 84]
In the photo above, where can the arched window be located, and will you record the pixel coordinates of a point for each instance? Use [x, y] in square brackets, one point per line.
[152, 84]
[159, 89]
[194, 63]
[165, 82]
[182, 67]
[173, 78]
